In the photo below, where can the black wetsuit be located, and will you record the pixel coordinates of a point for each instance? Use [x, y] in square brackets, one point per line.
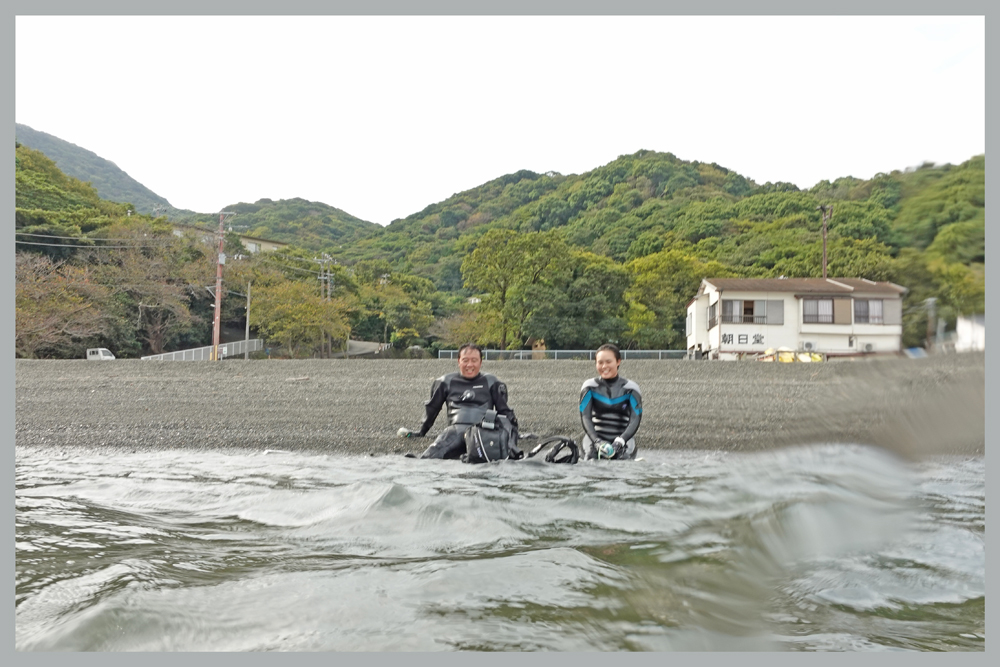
[610, 409]
[468, 400]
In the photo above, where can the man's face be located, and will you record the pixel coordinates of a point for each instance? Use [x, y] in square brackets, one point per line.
[469, 363]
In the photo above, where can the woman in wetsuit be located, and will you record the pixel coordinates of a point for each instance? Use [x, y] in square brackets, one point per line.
[610, 409]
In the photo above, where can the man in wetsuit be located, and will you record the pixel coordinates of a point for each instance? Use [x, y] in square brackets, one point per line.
[468, 394]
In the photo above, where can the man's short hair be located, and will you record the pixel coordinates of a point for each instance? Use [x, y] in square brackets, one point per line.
[471, 346]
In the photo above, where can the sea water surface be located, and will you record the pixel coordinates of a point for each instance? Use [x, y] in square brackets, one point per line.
[820, 548]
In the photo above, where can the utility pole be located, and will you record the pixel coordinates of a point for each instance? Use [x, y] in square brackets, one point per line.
[931, 316]
[246, 340]
[827, 214]
[324, 292]
[218, 286]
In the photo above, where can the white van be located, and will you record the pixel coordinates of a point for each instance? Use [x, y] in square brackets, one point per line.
[99, 354]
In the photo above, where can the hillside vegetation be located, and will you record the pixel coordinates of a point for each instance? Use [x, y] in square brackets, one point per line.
[310, 225]
[104, 176]
[611, 254]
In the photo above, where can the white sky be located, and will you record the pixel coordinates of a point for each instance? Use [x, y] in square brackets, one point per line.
[382, 116]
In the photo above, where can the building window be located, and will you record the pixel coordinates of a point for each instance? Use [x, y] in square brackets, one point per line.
[737, 311]
[868, 311]
[712, 319]
[817, 311]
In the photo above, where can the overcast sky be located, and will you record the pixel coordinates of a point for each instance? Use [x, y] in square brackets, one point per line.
[382, 116]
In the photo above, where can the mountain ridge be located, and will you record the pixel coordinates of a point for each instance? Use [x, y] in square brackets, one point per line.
[111, 182]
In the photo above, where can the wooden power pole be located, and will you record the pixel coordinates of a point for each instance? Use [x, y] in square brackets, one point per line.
[217, 325]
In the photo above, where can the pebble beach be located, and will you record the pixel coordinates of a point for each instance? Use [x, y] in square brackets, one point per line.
[914, 407]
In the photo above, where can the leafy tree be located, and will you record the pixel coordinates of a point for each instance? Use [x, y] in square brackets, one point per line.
[465, 326]
[295, 315]
[646, 243]
[583, 305]
[388, 307]
[509, 267]
[663, 284]
[961, 242]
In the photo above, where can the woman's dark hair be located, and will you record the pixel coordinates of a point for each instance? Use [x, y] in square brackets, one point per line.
[613, 349]
[471, 346]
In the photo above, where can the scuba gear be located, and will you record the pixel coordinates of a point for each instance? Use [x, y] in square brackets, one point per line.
[468, 414]
[493, 439]
[560, 443]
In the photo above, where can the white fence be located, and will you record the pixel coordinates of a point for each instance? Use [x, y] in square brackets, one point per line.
[582, 355]
[226, 350]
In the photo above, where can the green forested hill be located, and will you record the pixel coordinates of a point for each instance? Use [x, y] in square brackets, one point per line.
[110, 182]
[311, 225]
[649, 202]
[306, 224]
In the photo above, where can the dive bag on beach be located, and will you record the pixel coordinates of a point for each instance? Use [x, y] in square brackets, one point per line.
[494, 439]
[561, 449]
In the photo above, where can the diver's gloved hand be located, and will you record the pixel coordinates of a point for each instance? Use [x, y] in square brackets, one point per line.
[620, 447]
[605, 450]
[407, 433]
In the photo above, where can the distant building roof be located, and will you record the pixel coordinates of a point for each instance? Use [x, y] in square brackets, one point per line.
[183, 227]
[257, 238]
[805, 285]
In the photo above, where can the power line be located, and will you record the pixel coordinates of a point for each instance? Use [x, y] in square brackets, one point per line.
[112, 247]
[82, 238]
[110, 284]
[91, 247]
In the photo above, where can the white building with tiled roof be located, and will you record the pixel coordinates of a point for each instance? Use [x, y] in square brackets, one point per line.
[731, 318]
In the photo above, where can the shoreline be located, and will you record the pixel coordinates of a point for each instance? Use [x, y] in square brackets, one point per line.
[913, 407]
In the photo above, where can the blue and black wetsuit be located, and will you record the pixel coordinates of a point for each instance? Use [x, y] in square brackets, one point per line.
[468, 400]
[610, 409]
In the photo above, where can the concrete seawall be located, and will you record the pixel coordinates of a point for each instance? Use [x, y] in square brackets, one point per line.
[911, 406]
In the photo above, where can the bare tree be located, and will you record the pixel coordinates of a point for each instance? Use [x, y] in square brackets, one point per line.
[57, 307]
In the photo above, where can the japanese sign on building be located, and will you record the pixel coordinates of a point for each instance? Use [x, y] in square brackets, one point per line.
[743, 339]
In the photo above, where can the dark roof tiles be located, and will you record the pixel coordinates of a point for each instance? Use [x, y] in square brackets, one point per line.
[806, 285]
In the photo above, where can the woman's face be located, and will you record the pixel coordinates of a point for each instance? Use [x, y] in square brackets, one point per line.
[607, 365]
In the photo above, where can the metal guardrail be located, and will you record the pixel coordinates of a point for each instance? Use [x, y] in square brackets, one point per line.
[226, 350]
[579, 355]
